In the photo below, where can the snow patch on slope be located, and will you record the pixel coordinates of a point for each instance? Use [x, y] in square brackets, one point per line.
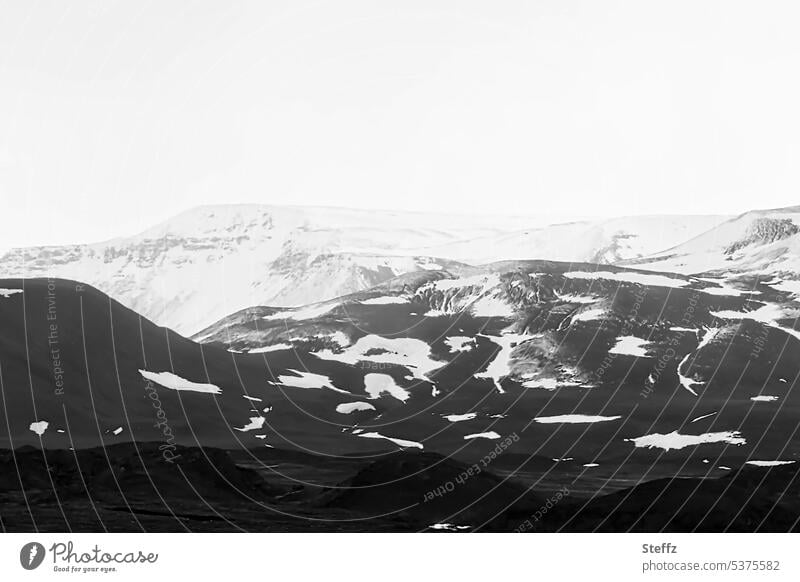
[764, 398]
[410, 353]
[500, 366]
[574, 419]
[491, 435]
[629, 277]
[350, 407]
[256, 423]
[458, 343]
[377, 384]
[39, 427]
[272, 348]
[385, 300]
[399, 442]
[677, 441]
[459, 417]
[310, 312]
[308, 380]
[589, 315]
[174, 382]
[629, 345]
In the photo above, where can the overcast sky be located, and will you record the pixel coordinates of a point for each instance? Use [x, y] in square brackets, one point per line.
[116, 115]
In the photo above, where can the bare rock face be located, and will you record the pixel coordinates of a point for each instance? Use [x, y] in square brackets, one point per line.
[764, 231]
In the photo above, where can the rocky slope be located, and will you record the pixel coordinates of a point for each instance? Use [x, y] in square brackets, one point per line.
[618, 363]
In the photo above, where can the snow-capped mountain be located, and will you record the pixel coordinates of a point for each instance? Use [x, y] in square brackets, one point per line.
[763, 242]
[206, 263]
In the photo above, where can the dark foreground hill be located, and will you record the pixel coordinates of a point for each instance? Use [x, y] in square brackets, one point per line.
[131, 487]
[78, 370]
[752, 499]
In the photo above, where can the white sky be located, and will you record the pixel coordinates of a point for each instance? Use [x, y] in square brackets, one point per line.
[114, 115]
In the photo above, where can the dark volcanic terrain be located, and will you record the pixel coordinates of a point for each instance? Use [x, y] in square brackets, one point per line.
[466, 398]
[130, 487]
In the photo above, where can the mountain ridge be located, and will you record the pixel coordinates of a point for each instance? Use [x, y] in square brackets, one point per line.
[205, 263]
